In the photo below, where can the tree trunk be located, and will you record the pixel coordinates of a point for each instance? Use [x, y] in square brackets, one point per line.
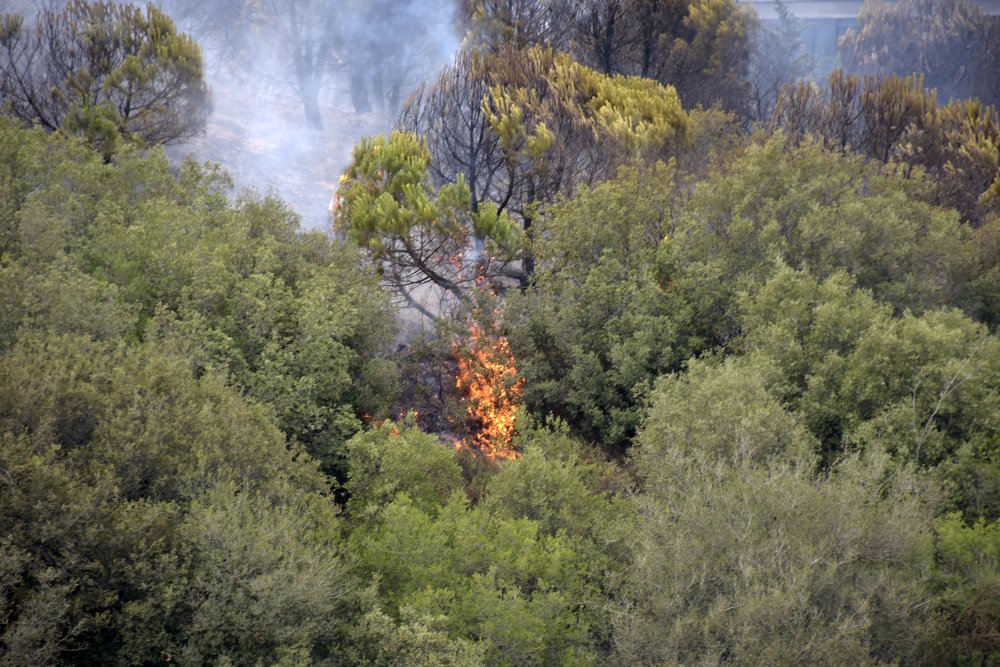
[528, 263]
[378, 90]
[359, 93]
[310, 103]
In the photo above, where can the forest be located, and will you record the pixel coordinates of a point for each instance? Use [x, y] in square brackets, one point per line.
[702, 364]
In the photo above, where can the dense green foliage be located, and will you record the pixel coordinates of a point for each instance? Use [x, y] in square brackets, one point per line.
[760, 376]
[169, 357]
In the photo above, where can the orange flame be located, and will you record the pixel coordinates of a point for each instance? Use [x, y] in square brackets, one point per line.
[492, 392]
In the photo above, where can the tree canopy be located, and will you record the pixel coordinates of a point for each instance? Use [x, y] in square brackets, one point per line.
[102, 70]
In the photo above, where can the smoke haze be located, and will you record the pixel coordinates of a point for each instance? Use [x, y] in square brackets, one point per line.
[362, 62]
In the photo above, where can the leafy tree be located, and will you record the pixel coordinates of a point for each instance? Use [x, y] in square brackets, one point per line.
[265, 574]
[968, 558]
[102, 69]
[970, 475]
[515, 572]
[709, 58]
[295, 320]
[898, 120]
[153, 511]
[546, 124]
[305, 333]
[419, 235]
[147, 512]
[810, 207]
[718, 413]
[522, 594]
[324, 369]
[604, 34]
[62, 299]
[398, 458]
[377, 640]
[600, 324]
[567, 488]
[800, 323]
[498, 24]
[921, 388]
[959, 145]
[746, 556]
[653, 278]
[700, 47]
[943, 394]
[869, 115]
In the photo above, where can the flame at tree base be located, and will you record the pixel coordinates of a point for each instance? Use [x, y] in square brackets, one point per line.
[491, 392]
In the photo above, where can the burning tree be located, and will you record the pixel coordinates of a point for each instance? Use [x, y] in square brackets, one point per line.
[428, 240]
[491, 391]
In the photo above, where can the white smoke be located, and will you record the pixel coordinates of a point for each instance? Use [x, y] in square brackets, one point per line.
[258, 129]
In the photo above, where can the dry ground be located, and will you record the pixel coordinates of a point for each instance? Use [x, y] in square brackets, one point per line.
[258, 133]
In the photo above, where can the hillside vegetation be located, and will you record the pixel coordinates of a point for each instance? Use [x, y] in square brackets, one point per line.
[693, 387]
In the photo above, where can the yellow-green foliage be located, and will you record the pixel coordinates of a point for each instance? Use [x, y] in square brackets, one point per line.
[969, 562]
[385, 193]
[415, 233]
[960, 144]
[640, 114]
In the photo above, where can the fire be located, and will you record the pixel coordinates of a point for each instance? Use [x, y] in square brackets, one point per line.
[487, 380]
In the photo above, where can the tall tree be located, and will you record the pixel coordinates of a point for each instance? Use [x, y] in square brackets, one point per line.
[530, 125]
[778, 59]
[418, 234]
[388, 46]
[100, 68]
[604, 33]
[601, 325]
[959, 144]
[495, 24]
[291, 42]
[892, 119]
